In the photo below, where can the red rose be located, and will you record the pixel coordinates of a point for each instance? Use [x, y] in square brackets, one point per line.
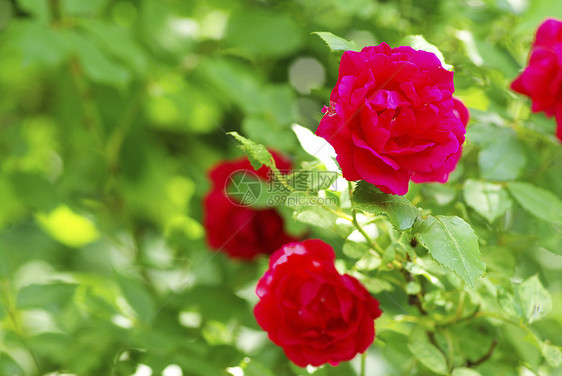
[309, 309]
[392, 118]
[542, 79]
[242, 232]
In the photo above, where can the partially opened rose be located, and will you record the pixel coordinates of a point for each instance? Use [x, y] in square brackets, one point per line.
[392, 118]
[316, 314]
[542, 78]
[240, 231]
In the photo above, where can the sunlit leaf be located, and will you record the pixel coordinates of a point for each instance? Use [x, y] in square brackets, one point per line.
[336, 43]
[399, 209]
[68, 227]
[452, 242]
[536, 301]
[257, 153]
[489, 200]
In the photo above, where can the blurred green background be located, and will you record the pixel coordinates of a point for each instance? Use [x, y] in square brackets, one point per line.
[111, 113]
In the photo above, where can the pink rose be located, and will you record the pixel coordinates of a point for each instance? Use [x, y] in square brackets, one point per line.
[239, 231]
[316, 314]
[542, 79]
[392, 118]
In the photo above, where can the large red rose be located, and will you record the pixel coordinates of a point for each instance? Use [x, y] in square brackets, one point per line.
[542, 78]
[316, 314]
[242, 232]
[392, 118]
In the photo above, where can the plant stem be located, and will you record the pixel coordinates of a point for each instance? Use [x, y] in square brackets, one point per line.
[364, 364]
[337, 213]
[355, 222]
[485, 357]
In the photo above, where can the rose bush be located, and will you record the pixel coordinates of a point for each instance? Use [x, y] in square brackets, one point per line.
[242, 232]
[317, 315]
[542, 78]
[392, 118]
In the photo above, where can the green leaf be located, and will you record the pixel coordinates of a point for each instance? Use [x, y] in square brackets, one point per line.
[412, 288]
[97, 66]
[465, 372]
[138, 297]
[317, 216]
[34, 191]
[9, 366]
[509, 304]
[453, 243]
[426, 353]
[336, 43]
[535, 300]
[550, 237]
[257, 154]
[399, 209]
[52, 297]
[418, 42]
[355, 250]
[118, 42]
[237, 82]
[537, 201]
[552, 354]
[276, 135]
[503, 159]
[38, 44]
[489, 200]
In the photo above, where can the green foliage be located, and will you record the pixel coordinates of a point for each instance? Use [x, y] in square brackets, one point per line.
[336, 43]
[453, 243]
[427, 354]
[537, 201]
[400, 211]
[257, 153]
[535, 300]
[488, 199]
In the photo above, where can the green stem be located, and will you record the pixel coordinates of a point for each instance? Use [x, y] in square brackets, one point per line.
[364, 364]
[370, 241]
[359, 228]
[337, 213]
